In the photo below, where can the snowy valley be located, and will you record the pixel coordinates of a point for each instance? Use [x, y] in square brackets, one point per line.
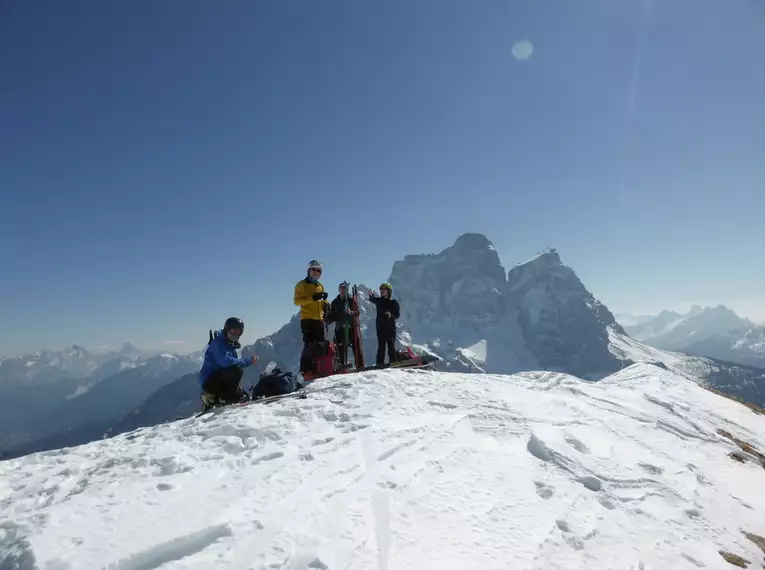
[410, 469]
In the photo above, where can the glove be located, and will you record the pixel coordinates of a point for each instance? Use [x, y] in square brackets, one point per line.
[317, 296]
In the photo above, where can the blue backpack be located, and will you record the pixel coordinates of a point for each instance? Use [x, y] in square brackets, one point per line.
[275, 383]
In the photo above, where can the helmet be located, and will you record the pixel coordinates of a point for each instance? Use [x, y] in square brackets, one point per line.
[343, 284]
[387, 286]
[315, 264]
[234, 323]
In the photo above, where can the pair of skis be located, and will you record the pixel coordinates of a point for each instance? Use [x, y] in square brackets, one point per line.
[352, 303]
[299, 393]
[358, 346]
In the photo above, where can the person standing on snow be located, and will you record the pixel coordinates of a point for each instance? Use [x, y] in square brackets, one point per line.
[312, 300]
[222, 369]
[341, 314]
[388, 312]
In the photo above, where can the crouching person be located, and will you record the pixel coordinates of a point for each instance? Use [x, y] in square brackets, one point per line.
[222, 368]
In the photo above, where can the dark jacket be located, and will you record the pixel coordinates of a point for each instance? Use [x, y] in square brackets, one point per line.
[337, 312]
[386, 305]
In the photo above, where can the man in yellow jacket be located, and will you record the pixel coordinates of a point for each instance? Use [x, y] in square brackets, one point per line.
[312, 300]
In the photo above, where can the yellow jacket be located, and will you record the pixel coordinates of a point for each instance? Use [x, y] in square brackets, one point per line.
[309, 309]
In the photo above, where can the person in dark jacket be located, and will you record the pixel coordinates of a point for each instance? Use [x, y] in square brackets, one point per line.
[341, 313]
[222, 369]
[388, 312]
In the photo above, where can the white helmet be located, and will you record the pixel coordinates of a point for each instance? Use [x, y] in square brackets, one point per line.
[315, 264]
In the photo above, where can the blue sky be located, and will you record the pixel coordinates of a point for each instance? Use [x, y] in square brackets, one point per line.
[164, 165]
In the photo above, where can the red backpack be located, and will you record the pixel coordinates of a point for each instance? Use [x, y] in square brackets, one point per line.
[325, 360]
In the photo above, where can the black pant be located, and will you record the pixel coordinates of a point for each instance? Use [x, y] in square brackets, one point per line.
[386, 338]
[313, 332]
[224, 384]
[342, 346]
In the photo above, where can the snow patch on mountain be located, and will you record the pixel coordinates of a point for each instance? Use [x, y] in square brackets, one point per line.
[398, 469]
[629, 320]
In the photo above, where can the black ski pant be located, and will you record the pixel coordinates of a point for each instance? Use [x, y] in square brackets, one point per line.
[224, 384]
[313, 332]
[386, 338]
[342, 346]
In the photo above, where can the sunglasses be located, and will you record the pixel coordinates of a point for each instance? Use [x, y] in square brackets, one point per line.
[316, 269]
[233, 332]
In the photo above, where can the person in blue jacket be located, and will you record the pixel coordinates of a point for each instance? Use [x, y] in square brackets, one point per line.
[222, 368]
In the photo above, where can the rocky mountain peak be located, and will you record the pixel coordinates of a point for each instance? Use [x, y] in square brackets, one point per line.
[459, 287]
[469, 242]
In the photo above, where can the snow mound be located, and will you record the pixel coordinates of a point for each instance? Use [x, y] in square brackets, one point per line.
[408, 469]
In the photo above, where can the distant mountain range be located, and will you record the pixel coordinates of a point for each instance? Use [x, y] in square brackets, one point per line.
[49, 395]
[717, 332]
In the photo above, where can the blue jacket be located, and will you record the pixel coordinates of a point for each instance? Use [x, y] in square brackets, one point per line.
[220, 353]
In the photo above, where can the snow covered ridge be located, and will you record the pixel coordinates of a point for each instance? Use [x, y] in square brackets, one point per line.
[404, 470]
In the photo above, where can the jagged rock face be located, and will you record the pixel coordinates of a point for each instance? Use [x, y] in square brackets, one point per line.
[456, 290]
[460, 305]
[563, 325]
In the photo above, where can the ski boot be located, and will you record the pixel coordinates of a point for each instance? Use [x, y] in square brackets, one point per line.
[209, 401]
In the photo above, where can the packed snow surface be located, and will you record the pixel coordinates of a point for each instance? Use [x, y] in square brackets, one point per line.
[407, 470]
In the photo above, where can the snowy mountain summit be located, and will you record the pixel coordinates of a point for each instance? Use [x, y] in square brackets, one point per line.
[410, 470]
[461, 305]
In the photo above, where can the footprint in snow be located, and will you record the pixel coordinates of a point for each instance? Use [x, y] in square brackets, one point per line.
[323, 440]
[18, 553]
[591, 483]
[447, 405]
[576, 444]
[650, 468]
[173, 550]
[267, 457]
[544, 490]
[538, 449]
[692, 560]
